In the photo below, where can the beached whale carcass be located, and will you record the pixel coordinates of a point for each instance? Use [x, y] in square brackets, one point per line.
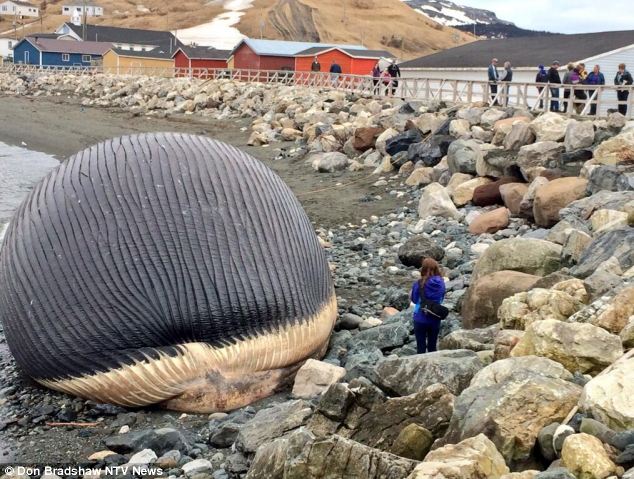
[164, 268]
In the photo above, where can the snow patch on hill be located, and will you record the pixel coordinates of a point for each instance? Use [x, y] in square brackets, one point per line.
[221, 31]
[451, 14]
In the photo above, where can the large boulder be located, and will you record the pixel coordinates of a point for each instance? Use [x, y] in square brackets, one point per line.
[491, 116]
[473, 458]
[430, 151]
[463, 155]
[272, 422]
[486, 294]
[460, 129]
[521, 134]
[314, 377]
[533, 159]
[512, 195]
[556, 195]
[411, 374]
[579, 134]
[614, 316]
[526, 205]
[365, 137]
[550, 127]
[490, 222]
[617, 150]
[608, 397]
[585, 456]
[383, 138]
[472, 114]
[435, 201]
[301, 455]
[523, 309]
[578, 347]
[489, 194]
[496, 163]
[417, 248]
[482, 339]
[527, 255]
[618, 243]
[402, 141]
[462, 193]
[413, 442]
[511, 401]
[421, 177]
[329, 162]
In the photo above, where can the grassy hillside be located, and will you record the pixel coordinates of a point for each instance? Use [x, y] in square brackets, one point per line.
[379, 24]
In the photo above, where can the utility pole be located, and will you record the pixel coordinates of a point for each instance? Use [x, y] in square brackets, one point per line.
[262, 23]
[83, 28]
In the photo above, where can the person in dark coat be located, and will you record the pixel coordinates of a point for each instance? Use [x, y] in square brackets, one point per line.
[623, 78]
[507, 77]
[541, 77]
[567, 81]
[494, 78]
[395, 72]
[335, 71]
[430, 286]
[315, 66]
[376, 78]
[595, 78]
[554, 79]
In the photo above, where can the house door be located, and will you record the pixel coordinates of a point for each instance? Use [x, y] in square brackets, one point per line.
[26, 57]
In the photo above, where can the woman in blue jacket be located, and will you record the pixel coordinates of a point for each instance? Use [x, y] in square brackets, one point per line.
[432, 286]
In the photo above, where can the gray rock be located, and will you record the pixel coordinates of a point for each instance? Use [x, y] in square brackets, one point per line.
[412, 374]
[159, 440]
[430, 151]
[417, 248]
[329, 162]
[597, 429]
[402, 141]
[555, 473]
[463, 155]
[335, 401]
[545, 441]
[196, 466]
[349, 321]
[301, 454]
[363, 364]
[385, 336]
[272, 422]
[560, 435]
[618, 243]
[482, 339]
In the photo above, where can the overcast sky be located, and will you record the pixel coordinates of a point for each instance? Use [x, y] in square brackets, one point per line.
[562, 16]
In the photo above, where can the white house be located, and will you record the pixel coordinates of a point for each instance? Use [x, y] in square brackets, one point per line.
[15, 8]
[470, 61]
[6, 47]
[77, 9]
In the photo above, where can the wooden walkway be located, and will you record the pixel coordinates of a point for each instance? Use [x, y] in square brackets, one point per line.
[583, 100]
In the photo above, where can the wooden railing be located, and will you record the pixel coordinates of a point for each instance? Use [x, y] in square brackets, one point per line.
[585, 100]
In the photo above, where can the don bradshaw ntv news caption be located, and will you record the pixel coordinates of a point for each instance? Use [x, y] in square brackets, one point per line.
[65, 470]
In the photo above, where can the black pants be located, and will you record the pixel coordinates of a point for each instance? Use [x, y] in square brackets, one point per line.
[394, 87]
[494, 92]
[376, 86]
[554, 103]
[426, 336]
[622, 95]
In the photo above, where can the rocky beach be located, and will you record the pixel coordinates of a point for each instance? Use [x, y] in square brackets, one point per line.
[530, 216]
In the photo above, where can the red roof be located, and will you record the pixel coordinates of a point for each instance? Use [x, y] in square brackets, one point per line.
[69, 46]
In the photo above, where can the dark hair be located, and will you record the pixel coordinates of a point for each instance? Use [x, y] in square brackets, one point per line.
[429, 268]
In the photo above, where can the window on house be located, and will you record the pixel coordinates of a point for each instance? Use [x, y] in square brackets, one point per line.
[65, 57]
[10, 44]
[86, 58]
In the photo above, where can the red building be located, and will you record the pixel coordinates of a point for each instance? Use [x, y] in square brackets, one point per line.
[253, 54]
[200, 59]
[353, 61]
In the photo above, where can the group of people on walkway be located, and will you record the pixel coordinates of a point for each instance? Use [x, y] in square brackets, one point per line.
[574, 76]
[386, 79]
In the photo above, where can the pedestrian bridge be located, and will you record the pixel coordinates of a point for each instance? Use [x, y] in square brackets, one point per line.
[582, 100]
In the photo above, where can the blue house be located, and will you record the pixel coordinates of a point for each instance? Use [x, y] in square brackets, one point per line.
[59, 53]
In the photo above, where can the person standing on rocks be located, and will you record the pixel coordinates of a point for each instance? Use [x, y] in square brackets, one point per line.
[335, 71]
[623, 78]
[595, 78]
[430, 287]
[554, 79]
[494, 77]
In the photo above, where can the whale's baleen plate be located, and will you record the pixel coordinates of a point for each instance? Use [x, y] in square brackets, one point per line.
[164, 268]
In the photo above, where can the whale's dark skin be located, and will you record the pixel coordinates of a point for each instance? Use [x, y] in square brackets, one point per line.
[164, 268]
